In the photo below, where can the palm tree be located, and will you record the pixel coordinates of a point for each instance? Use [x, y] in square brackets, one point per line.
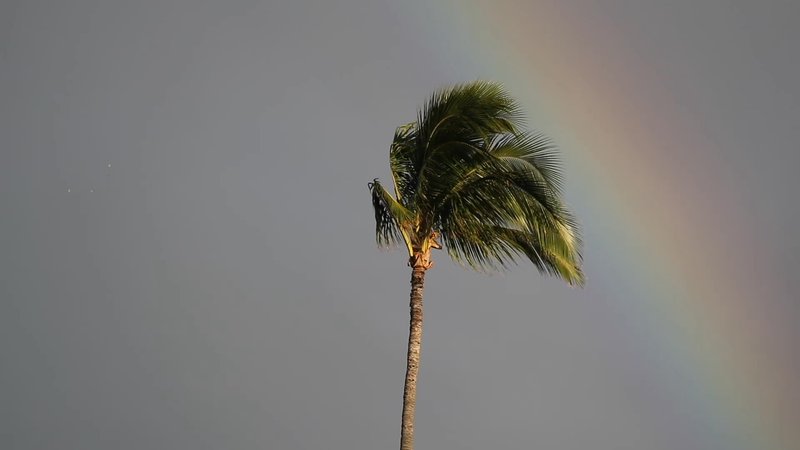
[466, 177]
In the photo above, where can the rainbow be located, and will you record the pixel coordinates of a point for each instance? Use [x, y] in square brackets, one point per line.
[672, 233]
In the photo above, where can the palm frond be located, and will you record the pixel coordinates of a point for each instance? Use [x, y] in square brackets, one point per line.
[402, 160]
[480, 106]
[538, 153]
[489, 241]
[486, 176]
[471, 112]
[541, 255]
[389, 216]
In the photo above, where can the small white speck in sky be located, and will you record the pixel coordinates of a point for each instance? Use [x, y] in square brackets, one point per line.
[109, 166]
[69, 190]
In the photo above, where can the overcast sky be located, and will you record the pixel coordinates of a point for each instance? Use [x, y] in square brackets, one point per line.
[187, 255]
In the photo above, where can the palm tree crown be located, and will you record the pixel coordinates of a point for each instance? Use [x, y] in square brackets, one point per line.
[465, 174]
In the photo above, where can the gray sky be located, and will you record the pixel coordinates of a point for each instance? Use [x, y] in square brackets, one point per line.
[188, 258]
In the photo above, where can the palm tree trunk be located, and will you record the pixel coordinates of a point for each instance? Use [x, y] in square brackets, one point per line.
[414, 345]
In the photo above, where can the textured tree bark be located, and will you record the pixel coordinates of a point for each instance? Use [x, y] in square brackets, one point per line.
[414, 345]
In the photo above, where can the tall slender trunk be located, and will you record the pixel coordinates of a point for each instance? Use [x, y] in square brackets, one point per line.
[414, 346]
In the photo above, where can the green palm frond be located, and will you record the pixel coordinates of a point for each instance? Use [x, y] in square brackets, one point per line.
[402, 160]
[466, 171]
[389, 216]
[537, 151]
[470, 111]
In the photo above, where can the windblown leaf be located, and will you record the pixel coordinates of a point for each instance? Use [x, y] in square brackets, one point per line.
[389, 214]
